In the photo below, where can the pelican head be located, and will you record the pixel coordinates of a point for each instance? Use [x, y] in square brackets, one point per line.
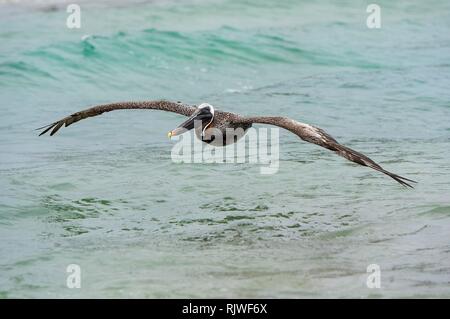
[204, 114]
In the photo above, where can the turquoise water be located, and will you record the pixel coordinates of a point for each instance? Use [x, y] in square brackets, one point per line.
[104, 193]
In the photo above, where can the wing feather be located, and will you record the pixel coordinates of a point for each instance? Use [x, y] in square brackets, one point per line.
[319, 137]
[100, 109]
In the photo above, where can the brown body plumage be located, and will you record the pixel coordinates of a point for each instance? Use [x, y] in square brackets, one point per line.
[222, 120]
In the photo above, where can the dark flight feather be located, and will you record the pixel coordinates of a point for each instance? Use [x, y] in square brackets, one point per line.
[319, 137]
[162, 105]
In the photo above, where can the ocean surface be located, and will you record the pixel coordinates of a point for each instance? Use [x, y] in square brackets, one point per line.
[104, 194]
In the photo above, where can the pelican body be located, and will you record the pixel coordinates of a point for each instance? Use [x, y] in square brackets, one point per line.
[213, 127]
[207, 122]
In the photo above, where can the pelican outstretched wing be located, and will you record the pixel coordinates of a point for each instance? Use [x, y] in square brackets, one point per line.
[99, 109]
[318, 136]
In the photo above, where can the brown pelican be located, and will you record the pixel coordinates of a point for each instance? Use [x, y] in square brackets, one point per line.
[218, 120]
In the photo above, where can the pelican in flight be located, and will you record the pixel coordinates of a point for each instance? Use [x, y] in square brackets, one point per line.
[209, 118]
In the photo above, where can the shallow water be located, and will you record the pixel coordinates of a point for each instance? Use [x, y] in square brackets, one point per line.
[104, 193]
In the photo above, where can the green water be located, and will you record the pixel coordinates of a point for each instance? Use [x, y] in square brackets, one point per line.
[104, 193]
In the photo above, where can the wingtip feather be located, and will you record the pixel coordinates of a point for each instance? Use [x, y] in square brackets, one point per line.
[48, 128]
